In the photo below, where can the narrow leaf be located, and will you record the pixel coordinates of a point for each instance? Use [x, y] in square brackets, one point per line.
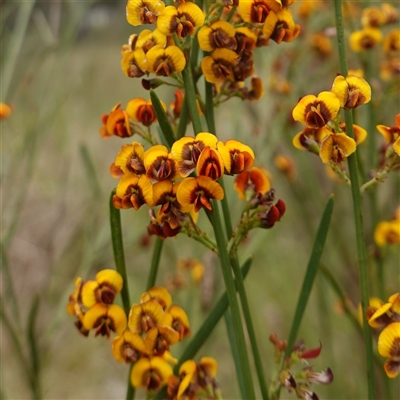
[162, 118]
[118, 249]
[311, 272]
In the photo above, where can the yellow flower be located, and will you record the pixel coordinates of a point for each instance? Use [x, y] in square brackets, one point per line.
[148, 39]
[183, 20]
[220, 34]
[131, 159]
[5, 111]
[365, 39]
[316, 112]
[128, 347]
[145, 316]
[210, 163]
[236, 156]
[75, 307]
[256, 11]
[180, 321]
[198, 192]
[392, 133]
[310, 139]
[372, 17]
[134, 63]
[186, 151]
[391, 43]
[387, 233]
[150, 373]
[107, 285]
[140, 12]
[352, 91]
[158, 339]
[391, 13]
[321, 43]
[253, 181]
[165, 195]
[116, 123]
[219, 65]
[133, 191]
[246, 39]
[159, 164]
[164, 62]
[187, 373]
[374, 304]
[158, 293]
[389, 347]
[104, 319]
[336, 148]
[280, 26]
[142, 111]
[360, 134]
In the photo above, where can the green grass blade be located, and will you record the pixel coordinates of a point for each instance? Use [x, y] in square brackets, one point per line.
[162, 118]
[155, 261]
[235, 352]
[33, 348]
[311, 272]
[118, 249]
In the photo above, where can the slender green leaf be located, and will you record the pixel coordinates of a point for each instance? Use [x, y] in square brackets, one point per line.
[235, 352]
[162, 118]
[33, 348]
[155, 261]
[311, 272]
[118, 249]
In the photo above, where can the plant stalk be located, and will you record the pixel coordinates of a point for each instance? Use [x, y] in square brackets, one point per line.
[358, 215]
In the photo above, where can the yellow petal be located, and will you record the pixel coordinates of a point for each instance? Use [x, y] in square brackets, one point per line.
[139, 371]
[209, 365]
[93, 315]
[388, 341]
[110, 277]
[88, 294]
[158, 293]
[210, 164]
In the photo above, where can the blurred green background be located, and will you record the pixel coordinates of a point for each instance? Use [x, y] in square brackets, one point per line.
[60, 70]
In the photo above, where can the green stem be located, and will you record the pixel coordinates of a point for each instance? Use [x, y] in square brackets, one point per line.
[210, 107]
[358, 216]
[233, 301]
[250, 327]
[34, 353]
[130, 392]
[118, 249]
[190, 95]
[234, 259]
[155, 262]
[119, 257]
[235, 352]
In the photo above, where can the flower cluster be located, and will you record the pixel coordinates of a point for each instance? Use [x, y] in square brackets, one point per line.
[227, 33]
[144, 338]
[92, 304]
[387, 316]
[183, 180]
[325, 135]
[388, 232]
[373, 20]
[195, 379]
[294, 378]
